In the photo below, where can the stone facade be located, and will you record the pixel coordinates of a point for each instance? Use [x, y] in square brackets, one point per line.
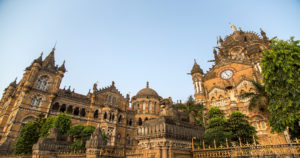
[237, 63]
[150, 127]
[105, 108]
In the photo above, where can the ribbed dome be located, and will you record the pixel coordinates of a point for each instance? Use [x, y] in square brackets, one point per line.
[147, 92]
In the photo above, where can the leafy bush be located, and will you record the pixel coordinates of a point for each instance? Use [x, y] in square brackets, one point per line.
[63, 123]
[46, 126]
[29, 135]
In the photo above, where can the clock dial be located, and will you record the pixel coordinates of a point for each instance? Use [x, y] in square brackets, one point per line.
[226, 74]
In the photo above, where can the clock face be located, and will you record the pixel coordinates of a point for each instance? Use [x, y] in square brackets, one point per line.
[226, 74]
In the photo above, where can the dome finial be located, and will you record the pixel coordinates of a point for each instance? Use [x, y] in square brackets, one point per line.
[147, 84]
[233, 27]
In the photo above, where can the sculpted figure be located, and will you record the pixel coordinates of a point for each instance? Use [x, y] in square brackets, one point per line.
[192, 117]
[167, 108]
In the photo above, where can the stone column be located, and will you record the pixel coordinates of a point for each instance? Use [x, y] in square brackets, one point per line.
[164, 152]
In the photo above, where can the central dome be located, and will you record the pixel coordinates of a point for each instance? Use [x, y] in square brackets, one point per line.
[147, 92]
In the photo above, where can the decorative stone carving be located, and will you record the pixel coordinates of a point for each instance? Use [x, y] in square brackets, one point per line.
[97, 140]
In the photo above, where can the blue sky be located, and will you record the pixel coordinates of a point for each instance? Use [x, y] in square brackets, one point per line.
[131, 41]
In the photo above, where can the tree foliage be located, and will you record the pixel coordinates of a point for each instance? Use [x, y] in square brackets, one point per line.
[241, 128]
[189, 107]
[87, 132]
[34, 130]
[259, 98]
[80, 135]
[214, 112]
[234, 128]
[63, 123]
[46, 126]
[281, 73]
[29, 135]
[75, 131]
[217, 130]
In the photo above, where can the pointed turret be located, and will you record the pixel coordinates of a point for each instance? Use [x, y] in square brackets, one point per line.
[197, 76]
[14, 83]
[62, 67]
[196, 68]
[49, 61]
[38, 60]
[263, 34]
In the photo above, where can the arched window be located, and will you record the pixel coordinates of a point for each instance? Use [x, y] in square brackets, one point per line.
[105, 116]
[146, 118]
[63, 108]
[149, 107]
[140, 122]
[82, 112]
[120, 119]
[96, 114]
[128, 140]
[76, 111]
[42, 83]
[118, 139]
[36, 101]
[55, 106]
[114, 101]
[155, 108]
[158, 108]
[130, 122]
[70, 109]
[113, 117]
[110, 99]
[106, 98]
[255, 125]
[144, 107]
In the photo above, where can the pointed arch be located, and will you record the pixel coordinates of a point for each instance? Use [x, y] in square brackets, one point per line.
[55, 106]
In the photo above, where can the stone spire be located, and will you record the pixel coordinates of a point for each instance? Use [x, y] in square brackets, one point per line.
[14, 83]
[263, 34]
[39, 59]
[233, 28]
[196, 68]
[49, 61]
[147, 84]
[62, 67]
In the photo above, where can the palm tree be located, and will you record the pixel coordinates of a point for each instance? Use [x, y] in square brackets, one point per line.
[258, 99]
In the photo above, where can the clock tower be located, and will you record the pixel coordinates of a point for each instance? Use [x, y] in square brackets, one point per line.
[236, 65]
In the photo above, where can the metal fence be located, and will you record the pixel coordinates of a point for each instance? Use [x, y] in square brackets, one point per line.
[291, 150]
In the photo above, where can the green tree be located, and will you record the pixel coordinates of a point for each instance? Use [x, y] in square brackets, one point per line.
[75, 131]
[189, 107]
[214, 112]
[81, 134]
[259, 98]
[217, 128]
[241, 128]
[29, 135]
[281, 74]
[63, 123]
[46, 126]
[87, 132]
